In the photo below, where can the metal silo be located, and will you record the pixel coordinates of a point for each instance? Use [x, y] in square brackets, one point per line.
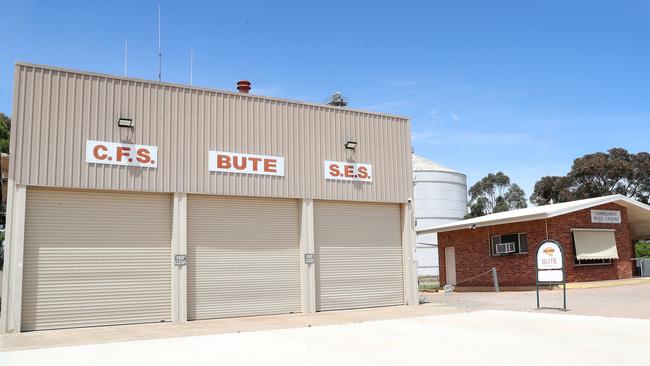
[440, 196]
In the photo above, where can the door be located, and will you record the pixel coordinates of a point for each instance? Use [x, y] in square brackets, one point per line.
[243, 256]
[450, 265]
[96, 258]
[358, 255]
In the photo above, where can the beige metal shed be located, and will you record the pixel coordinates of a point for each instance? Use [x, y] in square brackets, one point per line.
[137, 201]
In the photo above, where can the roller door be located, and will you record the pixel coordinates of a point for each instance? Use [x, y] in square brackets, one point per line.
[95, 258]
[242, 257]
[358, 255]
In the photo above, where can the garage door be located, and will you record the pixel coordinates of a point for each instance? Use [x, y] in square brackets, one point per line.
[358, 255]
[242, 257]
[95, 258]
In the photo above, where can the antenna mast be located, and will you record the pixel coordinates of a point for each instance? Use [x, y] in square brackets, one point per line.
[191, 65]
[126, 54]
[159, 49]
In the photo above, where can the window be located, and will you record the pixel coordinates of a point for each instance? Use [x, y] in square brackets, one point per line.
[509, 244]
[588, 241]
[592, 262]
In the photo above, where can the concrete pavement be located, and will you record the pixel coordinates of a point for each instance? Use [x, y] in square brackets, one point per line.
[80, 336]
[476, 338]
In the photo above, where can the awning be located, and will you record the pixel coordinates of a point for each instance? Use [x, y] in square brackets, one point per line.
[595, 244]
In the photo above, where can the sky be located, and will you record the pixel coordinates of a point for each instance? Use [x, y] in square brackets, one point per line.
[522, 87]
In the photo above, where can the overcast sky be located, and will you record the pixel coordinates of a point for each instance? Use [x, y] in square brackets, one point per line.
[519, 86]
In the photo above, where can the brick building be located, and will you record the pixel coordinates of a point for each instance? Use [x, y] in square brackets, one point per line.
[597, 236]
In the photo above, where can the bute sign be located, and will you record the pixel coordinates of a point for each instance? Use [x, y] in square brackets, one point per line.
[230, 162]
[550, 266]
[550, 262]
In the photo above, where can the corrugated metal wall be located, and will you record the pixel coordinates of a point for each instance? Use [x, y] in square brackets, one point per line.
[57, 110]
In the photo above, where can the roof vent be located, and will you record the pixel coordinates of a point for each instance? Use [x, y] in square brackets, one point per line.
[336, 100]
[244, 86]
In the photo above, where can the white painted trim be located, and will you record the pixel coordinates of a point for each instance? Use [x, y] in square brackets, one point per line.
[551, 211]
[179, 246]
[408, 255]
[307, 271]
[12, 281]
[463, 225]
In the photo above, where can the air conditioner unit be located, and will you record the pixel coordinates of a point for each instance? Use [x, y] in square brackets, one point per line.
[505, 248]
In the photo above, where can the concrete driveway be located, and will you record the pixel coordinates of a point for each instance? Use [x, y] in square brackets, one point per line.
[473, 338]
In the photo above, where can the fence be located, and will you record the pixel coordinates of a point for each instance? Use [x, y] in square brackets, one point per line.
[642, 267]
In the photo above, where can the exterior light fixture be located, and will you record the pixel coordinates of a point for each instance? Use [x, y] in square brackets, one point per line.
[125, 122]
[351, 145]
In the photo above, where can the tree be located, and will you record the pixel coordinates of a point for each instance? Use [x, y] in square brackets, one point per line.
[598, 174]
[495, 193]
[552, 189]
[5, 128]
[642, 249]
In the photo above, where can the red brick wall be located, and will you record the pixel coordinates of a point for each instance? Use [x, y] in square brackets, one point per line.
[473, 255]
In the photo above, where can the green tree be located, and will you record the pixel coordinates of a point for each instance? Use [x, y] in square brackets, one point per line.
[552, 189]
[5, 128]
[642, 249]
[495, 193]
[598, 174]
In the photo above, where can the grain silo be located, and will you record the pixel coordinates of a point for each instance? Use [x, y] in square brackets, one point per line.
[440, 196]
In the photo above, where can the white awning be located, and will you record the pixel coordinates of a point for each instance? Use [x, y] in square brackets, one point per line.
[595, 244]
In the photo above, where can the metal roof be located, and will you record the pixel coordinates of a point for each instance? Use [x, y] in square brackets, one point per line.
[638, 215]
[198, 88]
[424, 164]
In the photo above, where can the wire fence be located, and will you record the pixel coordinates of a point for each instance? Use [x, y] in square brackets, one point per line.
[495, 281]
[477, 276]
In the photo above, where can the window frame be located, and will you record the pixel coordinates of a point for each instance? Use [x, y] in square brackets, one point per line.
[579, 262]
[517, 244]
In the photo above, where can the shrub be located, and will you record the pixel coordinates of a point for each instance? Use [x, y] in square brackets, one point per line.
[642, 249]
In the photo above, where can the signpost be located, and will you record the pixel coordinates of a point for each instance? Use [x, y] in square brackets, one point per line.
[550, 267]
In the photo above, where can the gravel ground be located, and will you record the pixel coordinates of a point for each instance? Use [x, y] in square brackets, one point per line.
[632, 301]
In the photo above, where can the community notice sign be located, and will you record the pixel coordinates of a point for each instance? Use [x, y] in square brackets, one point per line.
[550, 266]
[606, 216]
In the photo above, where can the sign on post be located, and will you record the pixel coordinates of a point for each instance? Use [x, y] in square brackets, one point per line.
[550, 267]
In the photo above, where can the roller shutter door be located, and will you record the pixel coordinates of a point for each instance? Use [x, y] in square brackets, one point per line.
[242, 257]
[96, 258]
[358, 255]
